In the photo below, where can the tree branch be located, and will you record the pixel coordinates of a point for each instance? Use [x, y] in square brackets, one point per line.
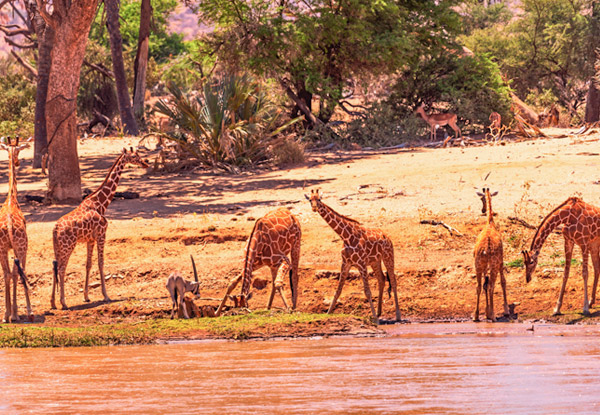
[14, 30]
[19, 45]
[106, 72]
[23, 63]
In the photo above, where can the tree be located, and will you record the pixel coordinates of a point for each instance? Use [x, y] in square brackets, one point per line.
[116, 47]
[141, 59]
[324, 48]
[71, 23]
[592, 101]
[544, 50]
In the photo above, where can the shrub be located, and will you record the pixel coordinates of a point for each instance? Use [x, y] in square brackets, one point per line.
[17, 101]
[288, 152]
[231, 123]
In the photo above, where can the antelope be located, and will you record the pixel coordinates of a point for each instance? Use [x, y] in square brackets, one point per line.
[439, 120]
[178, 286]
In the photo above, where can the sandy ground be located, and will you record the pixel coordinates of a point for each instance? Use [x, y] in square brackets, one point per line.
[210, 215]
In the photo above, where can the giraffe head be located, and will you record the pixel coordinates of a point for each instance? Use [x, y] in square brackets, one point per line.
[13, 148]
[132, 157]
[482, 196]
[315, 198]
[530, 264]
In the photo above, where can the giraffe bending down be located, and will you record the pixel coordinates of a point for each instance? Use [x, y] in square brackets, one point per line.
[362, 247]
[489, 259]
[581, 226]
[88, 224]
[273, 237]
[13, 236]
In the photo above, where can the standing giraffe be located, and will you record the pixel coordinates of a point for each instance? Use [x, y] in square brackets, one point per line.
[362, 247]
[273, 237]
[88, 224]
[581, 226]
[13, 236]
[489, 259]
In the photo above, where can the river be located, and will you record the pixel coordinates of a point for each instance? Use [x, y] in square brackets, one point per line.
[460, 368]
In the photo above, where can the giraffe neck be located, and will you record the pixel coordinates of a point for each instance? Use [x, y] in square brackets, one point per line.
[12, 182]
[550, 222]
[337, 222]
[249, 260]
[490, 214]
[105, 193]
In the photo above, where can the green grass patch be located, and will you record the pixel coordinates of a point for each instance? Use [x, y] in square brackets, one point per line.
[258, 324]
[515, 263]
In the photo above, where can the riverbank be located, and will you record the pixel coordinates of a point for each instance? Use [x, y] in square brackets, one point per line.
[260, 325]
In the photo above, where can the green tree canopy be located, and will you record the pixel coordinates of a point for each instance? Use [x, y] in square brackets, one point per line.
[322, 47]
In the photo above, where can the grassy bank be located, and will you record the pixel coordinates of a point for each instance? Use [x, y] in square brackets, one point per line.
[255, 325]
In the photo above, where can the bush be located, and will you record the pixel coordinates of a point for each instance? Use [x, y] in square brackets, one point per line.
[470, 86]
[231, 123]
[17, 101]
[288, 152]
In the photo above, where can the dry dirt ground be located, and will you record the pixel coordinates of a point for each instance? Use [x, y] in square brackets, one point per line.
[210, 215]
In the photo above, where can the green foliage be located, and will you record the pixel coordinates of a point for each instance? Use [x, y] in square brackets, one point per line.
[162, 44]
[546, 47]
[476, 16]
[17, 101]
[324, 47]
[231, 123]
[470, 86]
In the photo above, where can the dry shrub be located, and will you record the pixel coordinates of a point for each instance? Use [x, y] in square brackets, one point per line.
[288, 152]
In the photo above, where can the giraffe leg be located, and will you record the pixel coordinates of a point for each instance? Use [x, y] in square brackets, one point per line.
[584, 274]
[15, 310]
[21, 269]
[503, 284]
[234, 282]
[273, 283]
[490, 294]
[380, 285]
[101, 240]
[61, 282]
[388, 261]
[343, 274]
[7, 278]
[278, 274]
[596, 263]
[365, 278]
[62, 260]
[479, 276]
[88, 268]
[295, 254]
[568, 255]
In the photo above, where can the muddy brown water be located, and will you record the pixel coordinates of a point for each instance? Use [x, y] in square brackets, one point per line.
[427, 368]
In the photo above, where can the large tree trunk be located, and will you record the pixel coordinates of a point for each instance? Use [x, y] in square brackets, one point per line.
[116, 48]
[592, 103]
[45, 35]
[141, 60]
[72, 27]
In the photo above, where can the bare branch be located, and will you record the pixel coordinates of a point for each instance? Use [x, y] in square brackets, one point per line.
[23, 63]
[19, 45]
[440, 223]
[14, 30]
[100, 69]
[350, 112]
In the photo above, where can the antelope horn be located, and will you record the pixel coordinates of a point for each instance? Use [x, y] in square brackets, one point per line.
[194, 268]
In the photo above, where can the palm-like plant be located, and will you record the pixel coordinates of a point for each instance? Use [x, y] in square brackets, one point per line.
[231, 123]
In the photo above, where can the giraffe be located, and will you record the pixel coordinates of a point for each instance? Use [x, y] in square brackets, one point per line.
[87, 223]
[362, 247]
[273, 237]
[581, 226]
[13, 235]
[489, 258]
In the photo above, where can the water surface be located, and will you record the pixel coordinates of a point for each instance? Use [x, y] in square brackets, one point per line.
[445, 369]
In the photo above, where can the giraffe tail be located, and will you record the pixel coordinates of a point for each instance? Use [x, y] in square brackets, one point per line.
[22, 275]
[55, 268]
[387, 277]
[485, 283]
